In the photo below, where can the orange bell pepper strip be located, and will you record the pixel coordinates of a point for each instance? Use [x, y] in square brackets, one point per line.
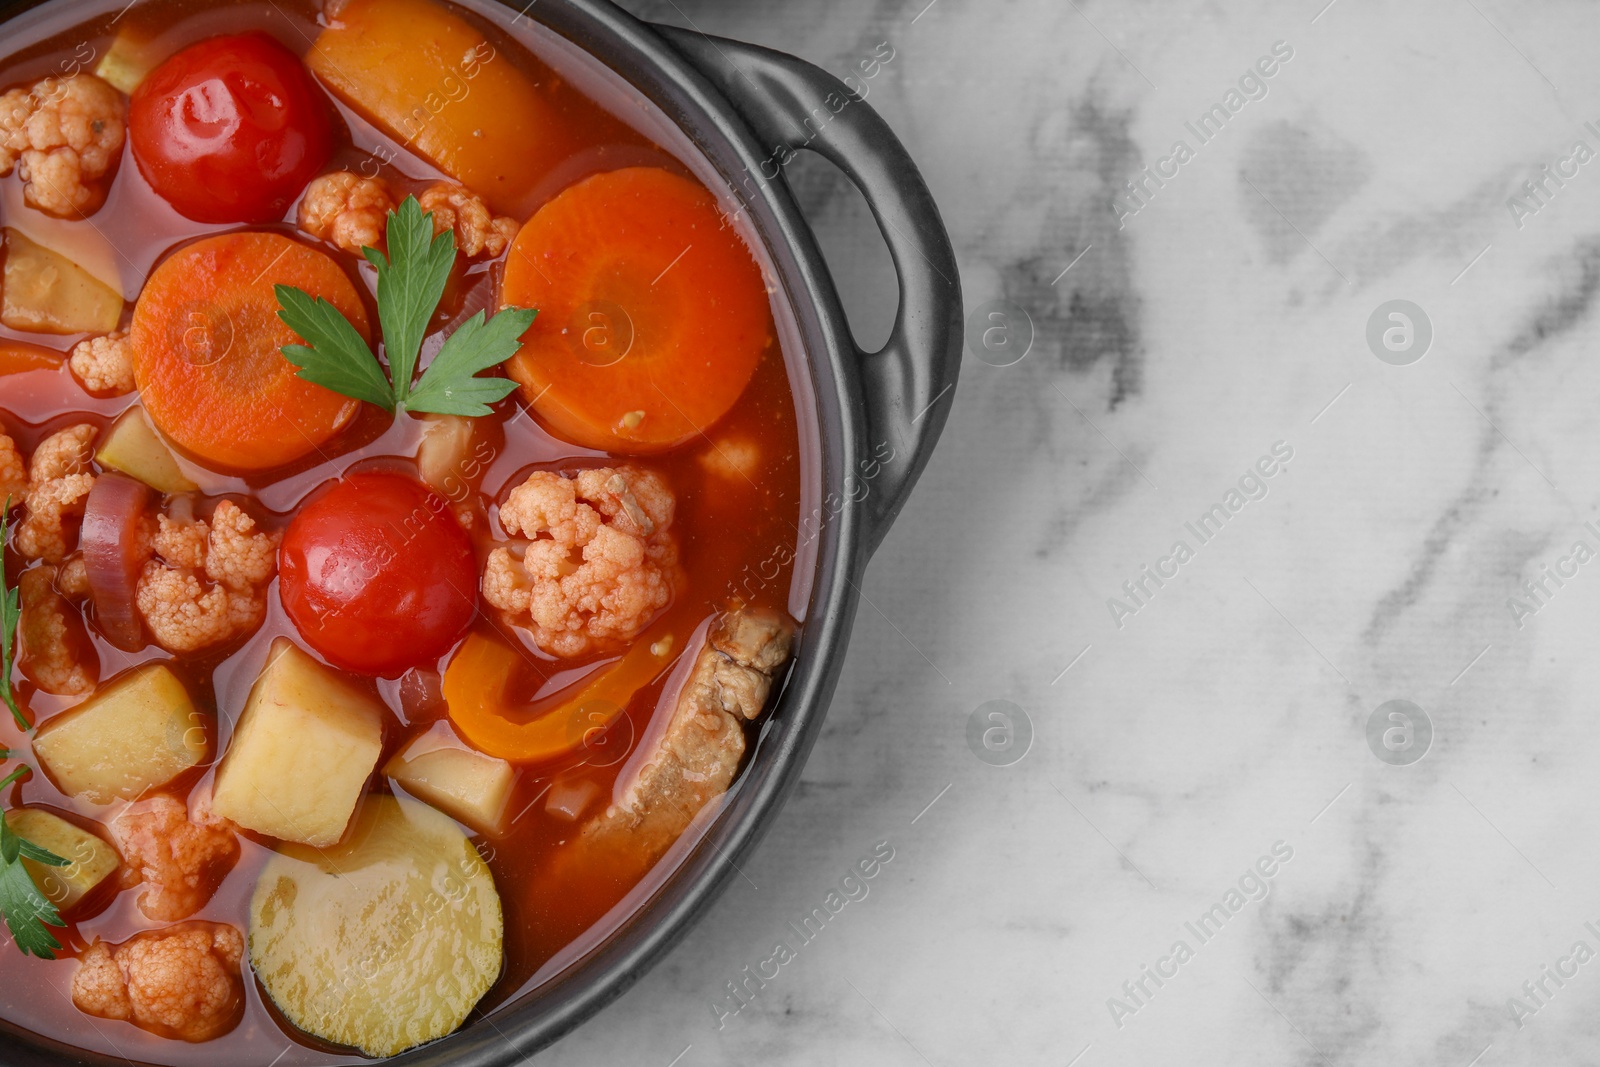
[476, 680]
[17, 357]
[432, 81]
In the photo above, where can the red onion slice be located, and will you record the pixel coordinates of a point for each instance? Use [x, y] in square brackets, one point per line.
[114, 552]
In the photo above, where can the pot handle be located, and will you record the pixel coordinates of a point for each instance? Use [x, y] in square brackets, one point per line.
[792, 105]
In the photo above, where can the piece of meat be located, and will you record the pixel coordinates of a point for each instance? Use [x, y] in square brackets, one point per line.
[66, 134]
[347, 210]
[55, 651]
[600, 563]
[209, 584]
[477, 231]
[180, 859]
[104, 365]
[59, 481]
[180, 982]
[695, 758]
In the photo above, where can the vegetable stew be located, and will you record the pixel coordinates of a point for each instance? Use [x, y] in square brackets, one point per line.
[402, 487]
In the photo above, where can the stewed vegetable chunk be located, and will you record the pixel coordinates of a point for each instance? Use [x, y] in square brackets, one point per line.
[385, 942]
[133, 447]
[59, 480]
[301, 752]
[104, 365]
[351, 212]
[180, 860]
[90, 860]
[207, 585]
[45, 292]
[181, 982]
[134, 735]
[131, 57]
[598, 563]
[378, 575]
[431, 80]
[230, 129]
[458, 780]
[207, 350]
[55, 652]
[65, 135]
[682, 311]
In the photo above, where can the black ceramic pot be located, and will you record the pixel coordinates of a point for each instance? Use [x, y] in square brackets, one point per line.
[747, 109]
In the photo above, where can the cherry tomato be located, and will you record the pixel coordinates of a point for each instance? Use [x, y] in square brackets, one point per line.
[231, 129]
[377, 574]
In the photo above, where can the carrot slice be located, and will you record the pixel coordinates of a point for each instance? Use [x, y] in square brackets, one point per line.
[652, 313]
[18, 357]
[481, 671]
[207, 339]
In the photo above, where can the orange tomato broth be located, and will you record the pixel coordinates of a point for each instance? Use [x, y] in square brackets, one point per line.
[733, 532]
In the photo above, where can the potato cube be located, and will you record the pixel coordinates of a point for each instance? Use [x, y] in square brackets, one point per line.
[462, 782]
[134, 448]
[301, 752]
[90, 858]
[446, 456]
[45, 292]
[132, 56]
[569, 798]
[138, 732]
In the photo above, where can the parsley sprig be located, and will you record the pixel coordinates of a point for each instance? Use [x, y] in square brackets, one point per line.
[10, 615]
[411, 281]
[29, 914]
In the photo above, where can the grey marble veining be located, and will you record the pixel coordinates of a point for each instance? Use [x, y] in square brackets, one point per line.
[1423, 536]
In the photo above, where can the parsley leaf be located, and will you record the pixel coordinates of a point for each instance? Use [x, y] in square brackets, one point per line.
[450, 385]
[411, 282]
[28, 913]
[337, 357]
[10, 615]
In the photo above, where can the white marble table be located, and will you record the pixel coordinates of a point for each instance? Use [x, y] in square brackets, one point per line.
[1179, 745]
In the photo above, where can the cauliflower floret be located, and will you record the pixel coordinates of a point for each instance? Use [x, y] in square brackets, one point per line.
[56, 653]
[182, 542]
[179, 860]
[600, 561]
[239, 557]
[67, 134]
[478, 231]
[347, 210]
[737, 459]
[180, 982]
[61, 454]
[104, 365]
[43, 533]
[352, 212]
[13, 472]
[58, 482]
[72, 579]
[185, 613]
